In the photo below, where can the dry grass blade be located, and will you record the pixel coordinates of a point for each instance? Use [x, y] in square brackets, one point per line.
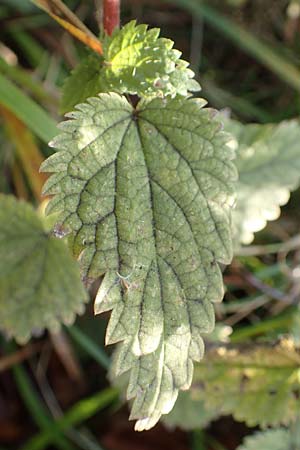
[7, 361]
[70, 22]
[68, 357]
[28, 152]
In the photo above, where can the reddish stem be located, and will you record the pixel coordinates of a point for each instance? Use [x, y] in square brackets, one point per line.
[111, 15]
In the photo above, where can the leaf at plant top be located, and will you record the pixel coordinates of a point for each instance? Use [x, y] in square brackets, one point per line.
[189, 412]
[146, 193]
[138, 61]
[40, 285]
[268, 161]
[258, 384]
[135, 61]
[278, 439]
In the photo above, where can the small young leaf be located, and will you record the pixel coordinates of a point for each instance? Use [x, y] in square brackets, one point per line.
[138, 62]
[268, 161]
[147, 194]
[40, 285]
[258, 384]
[278, 439]
[135, 61]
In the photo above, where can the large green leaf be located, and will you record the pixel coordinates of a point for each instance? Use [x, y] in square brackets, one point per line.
[257, 383]
[278, 439]
[147, 194]
[135, 61]
[268, 162]
[40, 285]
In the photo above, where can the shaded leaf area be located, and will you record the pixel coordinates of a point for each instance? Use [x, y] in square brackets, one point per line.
[258, 384]
[278, 439]
[268, 162]
[85, 81]
[40, 284]
[146, 195]
[135, 61]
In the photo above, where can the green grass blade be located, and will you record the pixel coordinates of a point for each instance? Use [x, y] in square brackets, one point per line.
[29, 112]
[262, 52]
[30, 398]
[84, 439]
[282, 322]
[82, 411]
[89, 346]
[198, 440]
[37, 409]
[24, 79]
[31, 49]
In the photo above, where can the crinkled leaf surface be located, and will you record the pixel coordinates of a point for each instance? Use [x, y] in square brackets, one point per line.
[40, 284]
[278, 439]
[258, 384]
[268, 162]
[146, 193]
[139, 62]
[135, 61]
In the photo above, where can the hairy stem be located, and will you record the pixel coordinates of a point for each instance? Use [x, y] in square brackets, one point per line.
[111, 15]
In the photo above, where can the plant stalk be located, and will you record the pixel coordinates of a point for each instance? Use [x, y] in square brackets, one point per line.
[111, 15]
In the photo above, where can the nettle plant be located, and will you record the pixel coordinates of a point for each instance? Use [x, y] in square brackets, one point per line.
[142, 186]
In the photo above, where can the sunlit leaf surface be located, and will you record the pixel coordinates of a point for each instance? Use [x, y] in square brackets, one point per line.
[146, 194]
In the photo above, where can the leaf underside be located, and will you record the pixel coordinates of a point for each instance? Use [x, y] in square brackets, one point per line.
[40, 284]
[268, 162]
[135, 61]
[146, 194]
[258, 384]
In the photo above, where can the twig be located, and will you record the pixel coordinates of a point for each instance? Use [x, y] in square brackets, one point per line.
[6, 362]
[268, 290]
[280, 247]
[68, 358]
[246, 310]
